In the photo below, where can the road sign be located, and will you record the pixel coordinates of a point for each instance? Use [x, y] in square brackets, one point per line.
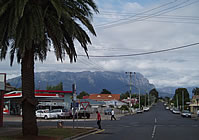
[84, 105]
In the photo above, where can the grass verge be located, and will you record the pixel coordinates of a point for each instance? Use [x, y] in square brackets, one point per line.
[49, 134]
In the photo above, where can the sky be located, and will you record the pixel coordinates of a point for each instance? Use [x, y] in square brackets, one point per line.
[133, 27]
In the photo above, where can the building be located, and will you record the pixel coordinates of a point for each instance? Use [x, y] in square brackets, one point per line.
[103, 97]
[115, 103]
[47, 99]
[194, 105]
[133, 101]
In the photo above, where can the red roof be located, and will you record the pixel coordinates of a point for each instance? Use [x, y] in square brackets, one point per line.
[104, 97]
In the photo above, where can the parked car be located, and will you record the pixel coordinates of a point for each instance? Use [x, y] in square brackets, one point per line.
[167, 108]
[107, 111]
[176, 111]
[186, 113]
[62, 113]
[139, 110]
[81, 113]
[146, 108]
[46, 114]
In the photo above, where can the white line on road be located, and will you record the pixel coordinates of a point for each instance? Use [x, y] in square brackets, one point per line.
[155, 120]
[153, 133]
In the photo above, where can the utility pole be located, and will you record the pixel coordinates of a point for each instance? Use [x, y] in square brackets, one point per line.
[2, 91]
[145, 100]
[139, 98]
[74, 102]
[183, 100]
[148, 100]
[130, 74]
[177, 100]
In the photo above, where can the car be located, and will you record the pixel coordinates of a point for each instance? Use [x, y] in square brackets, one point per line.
[107, 111]
[62, 113]
[46, 114]
[146, 108]
[176, 111]
[167, 108]
[140, 111]
[186, 113]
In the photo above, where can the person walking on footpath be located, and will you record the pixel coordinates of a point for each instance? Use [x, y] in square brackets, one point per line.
[98, 120]
[113, 115]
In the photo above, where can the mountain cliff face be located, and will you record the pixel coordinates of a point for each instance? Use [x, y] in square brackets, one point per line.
[91, 82]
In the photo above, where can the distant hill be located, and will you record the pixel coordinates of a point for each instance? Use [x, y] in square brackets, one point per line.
[91, 82]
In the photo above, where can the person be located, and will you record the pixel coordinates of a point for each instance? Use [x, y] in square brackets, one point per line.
[98, 120]
[113, 115]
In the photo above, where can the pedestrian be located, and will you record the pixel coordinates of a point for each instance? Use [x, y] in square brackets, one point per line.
[113, 115]
[98, 120]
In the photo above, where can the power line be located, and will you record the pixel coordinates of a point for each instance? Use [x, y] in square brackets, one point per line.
[147, 11]
[179, 17]
[145, 53]
[109, 25]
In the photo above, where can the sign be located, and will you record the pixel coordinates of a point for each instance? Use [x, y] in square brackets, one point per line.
[84, 105]
[2, 81]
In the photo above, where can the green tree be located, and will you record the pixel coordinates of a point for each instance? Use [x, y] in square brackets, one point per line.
[178, 97]
[30, 27]
[124, 95]
[83, 93]
[57, 87]
[195, 91]
[105, 91]
[154, 93]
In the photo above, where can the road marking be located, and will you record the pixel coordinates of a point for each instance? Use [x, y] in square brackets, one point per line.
[153, 133]
[155, 120]
[98, 131]
[88, 134]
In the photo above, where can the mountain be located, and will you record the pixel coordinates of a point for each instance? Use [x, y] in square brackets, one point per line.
[170, 91]
[91, 82]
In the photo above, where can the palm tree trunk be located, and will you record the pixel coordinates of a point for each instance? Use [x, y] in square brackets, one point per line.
[29, 123]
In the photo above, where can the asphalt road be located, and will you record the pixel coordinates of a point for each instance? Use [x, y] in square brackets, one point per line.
[157, 124]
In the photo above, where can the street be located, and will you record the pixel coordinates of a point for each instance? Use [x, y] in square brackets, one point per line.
[157, 124]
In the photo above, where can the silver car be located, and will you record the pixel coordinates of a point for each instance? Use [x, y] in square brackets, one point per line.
[186, 113]
[176, 111]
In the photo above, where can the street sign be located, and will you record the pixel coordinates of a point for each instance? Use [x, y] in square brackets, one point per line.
[84, 105]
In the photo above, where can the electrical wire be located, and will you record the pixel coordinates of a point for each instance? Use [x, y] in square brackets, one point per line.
[145, 53]
[147, 11]
[167, 10]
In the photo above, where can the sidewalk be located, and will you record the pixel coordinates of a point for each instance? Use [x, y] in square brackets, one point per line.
[17, 118]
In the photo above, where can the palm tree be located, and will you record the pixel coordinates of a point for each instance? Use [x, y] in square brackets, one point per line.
[29, 28]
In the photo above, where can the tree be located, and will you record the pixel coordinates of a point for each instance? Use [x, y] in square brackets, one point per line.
[57, 87]
[154, 93]
[124, 95]
[105, 91]
[30, 27]
[195, 91]
[177, 98]
[83, 93]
